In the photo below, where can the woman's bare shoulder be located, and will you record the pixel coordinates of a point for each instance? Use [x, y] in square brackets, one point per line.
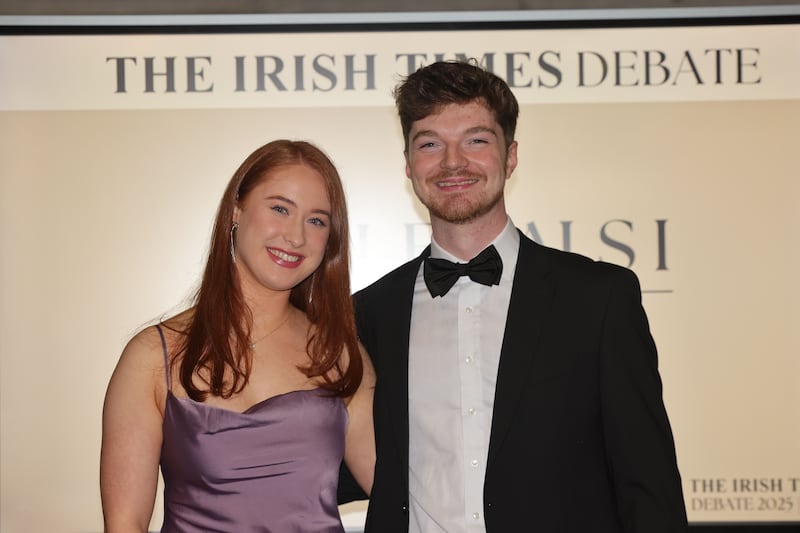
[145, 350]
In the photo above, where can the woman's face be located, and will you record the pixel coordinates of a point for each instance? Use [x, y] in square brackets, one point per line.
[284, 224]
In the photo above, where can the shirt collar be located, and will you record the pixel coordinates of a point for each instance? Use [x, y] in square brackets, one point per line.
[506, 242]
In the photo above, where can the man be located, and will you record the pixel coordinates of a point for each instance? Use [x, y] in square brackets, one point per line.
[523, 395]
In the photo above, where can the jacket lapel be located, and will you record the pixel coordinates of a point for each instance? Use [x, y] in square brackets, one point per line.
[394, 378]
[531, 297]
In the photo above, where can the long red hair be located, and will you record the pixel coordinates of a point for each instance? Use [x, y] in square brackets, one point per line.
[218, 334]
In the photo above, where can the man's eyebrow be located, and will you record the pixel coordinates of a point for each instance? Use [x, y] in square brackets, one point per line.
[424, 133]
[481, 129]
[468, 131]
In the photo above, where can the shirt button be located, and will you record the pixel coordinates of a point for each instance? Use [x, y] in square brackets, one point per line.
[476, 515]
[468, 359]
[468, 310]
[471, 410]
[474, 462]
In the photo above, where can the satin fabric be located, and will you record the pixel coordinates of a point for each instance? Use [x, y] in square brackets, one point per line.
[273, 468]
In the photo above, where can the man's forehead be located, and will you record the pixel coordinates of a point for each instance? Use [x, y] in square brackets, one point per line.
[474, 103]
[467, 118]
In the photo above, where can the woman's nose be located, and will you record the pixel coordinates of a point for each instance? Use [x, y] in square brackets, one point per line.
[294, 233]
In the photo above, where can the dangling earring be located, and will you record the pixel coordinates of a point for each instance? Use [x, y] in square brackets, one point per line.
[311, 288]
[234, 226]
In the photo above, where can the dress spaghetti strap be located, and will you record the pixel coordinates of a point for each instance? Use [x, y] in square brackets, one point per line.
[166, 357]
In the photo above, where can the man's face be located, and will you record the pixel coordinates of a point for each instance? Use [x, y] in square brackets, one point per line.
[458, 164]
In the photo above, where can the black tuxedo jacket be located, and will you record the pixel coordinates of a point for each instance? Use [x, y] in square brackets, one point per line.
[580, 441]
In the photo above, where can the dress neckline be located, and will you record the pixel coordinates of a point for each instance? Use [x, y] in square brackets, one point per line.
[250, 410]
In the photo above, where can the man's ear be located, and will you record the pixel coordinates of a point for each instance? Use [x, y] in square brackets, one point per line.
[511, 159]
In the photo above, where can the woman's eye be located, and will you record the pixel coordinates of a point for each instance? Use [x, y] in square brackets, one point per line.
[280, 209]
[318, 222]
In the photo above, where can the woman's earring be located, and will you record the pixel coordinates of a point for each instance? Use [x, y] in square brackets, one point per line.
[234, 226]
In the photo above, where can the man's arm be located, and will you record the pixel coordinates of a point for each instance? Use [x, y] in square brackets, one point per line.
[639, 441]
[348, 490]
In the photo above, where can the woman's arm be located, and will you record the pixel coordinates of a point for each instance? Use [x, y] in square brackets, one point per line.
[359, 454]
[132, 435]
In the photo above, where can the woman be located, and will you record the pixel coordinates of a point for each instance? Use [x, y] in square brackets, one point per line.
[250, 398]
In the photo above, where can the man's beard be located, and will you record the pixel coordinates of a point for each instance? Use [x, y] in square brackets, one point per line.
[459, 209]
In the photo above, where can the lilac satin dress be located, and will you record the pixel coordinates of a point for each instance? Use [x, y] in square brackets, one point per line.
[273, 468]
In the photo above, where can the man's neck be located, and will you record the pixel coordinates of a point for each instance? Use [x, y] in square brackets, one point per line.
[467, 240]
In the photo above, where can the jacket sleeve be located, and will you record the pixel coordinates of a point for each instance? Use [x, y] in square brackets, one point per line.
[348, 490]
[639, 443]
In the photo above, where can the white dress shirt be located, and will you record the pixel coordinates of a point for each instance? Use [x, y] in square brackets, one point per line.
[454, 354]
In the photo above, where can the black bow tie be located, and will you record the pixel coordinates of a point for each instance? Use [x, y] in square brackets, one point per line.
[441, 274]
